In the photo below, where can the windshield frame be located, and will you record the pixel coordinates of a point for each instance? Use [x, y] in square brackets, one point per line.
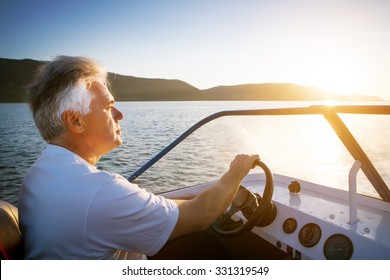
[330, 113]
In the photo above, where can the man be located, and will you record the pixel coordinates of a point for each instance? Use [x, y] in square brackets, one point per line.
[71, 210]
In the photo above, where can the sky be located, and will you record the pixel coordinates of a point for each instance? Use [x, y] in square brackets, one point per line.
[341, 46]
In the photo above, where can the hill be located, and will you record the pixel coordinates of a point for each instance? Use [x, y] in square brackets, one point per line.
[267, 92]
[15, 75]
[128, 88]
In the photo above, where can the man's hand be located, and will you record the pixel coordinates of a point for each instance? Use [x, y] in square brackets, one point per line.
[242, 164]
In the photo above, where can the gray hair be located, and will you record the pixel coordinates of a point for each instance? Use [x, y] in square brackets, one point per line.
[61, 85]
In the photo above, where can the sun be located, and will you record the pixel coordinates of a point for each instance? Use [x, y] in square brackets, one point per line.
[339, 76]
[334, 73]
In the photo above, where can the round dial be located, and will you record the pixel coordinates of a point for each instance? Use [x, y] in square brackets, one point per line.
[310, 235]
[338, 247]
[289, 225]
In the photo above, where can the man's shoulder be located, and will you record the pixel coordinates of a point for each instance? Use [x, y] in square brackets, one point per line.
[116, 179]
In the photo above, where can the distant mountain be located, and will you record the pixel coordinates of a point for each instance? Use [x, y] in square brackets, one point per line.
[128, 88]
[15, 75]
[269, 92]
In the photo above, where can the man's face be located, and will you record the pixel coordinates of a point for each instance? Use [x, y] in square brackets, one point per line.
[101, 124]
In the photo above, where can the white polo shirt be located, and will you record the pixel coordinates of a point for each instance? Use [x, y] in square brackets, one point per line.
[69, 209]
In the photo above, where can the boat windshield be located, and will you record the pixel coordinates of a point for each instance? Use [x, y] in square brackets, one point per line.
[303, 147]
[372, 133]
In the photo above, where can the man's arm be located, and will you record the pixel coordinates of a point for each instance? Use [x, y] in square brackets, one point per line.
[198, 213]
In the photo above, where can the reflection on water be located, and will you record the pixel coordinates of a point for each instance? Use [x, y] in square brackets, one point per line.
[297, 146]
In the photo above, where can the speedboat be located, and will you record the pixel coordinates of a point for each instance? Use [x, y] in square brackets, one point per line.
[275, 216]
[282, 216]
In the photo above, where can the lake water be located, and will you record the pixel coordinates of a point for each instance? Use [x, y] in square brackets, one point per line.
[297, 146]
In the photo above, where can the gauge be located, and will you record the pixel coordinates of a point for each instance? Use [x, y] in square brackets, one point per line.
[289, 225]
[310, 235]
[338, 247]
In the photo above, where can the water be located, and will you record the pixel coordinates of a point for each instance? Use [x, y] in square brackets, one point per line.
[315, 154]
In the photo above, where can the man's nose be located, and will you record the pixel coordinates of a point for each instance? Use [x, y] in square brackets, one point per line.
[117, 115]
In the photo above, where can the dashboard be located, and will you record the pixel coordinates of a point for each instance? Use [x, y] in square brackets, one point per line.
[314, 222]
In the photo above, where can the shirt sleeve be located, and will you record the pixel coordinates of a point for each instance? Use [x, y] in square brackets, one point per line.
[123, 216]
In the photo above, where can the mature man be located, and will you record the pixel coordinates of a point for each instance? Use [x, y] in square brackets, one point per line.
[71, 210]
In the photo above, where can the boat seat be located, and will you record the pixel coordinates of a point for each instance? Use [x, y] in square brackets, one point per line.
[11, 242]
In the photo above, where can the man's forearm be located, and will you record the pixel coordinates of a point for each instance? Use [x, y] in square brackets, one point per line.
[198, 213]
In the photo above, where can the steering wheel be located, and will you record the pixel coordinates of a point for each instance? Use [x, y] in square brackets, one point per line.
[258, 210]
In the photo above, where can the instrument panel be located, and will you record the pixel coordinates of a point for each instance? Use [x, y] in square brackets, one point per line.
[315, 222]
[336, 247]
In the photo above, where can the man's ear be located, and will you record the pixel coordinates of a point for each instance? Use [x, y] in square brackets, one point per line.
[73, 121]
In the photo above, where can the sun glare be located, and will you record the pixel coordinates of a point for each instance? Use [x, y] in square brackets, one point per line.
[330, 102]
[334, 73]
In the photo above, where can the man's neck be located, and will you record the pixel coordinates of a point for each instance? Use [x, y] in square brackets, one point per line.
[78, 148]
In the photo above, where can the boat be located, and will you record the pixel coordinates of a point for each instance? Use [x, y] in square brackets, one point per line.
[283, 217]
[278, 216]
